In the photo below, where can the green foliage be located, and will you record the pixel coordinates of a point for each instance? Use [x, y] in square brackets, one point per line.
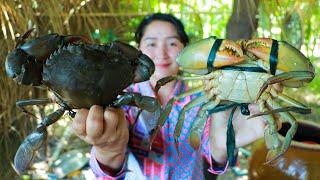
[296, 22]
[103, 36]
[201, 18]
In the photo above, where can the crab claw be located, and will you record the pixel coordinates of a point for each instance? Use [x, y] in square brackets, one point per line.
[194, 58]
[23, 70]
[287, 57]
[144, 69]
[26, 151]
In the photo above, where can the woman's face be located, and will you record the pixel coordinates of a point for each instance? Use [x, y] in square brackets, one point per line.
[161, 43]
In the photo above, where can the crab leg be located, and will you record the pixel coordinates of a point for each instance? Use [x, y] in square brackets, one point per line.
[165, 113]
[22, 103]
[187, 107]
[270, 135]
[286, 117]
[161, 82]
[288, 76]
[203, 77]
[200, 122]
[296, 105]
[165, 80]
[135, 99]
[33, 142]
[147, 103]
[28, 102]
[287, 99]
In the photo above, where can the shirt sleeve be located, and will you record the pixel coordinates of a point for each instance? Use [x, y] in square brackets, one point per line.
[214, 167]
[99, 173]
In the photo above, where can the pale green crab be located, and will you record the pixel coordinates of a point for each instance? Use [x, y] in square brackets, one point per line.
[242, 72]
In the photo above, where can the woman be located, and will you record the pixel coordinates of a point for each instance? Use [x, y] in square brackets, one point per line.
[161, 37]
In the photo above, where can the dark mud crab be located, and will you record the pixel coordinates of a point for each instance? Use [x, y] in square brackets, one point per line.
[242, 72]
[80, 75]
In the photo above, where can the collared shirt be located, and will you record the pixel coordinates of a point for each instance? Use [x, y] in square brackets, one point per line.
[162, 161]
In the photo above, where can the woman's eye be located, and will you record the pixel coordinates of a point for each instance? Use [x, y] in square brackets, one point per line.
[151, 44]
[173, 44]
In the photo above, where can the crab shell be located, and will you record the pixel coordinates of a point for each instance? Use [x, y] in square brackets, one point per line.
[83, 74]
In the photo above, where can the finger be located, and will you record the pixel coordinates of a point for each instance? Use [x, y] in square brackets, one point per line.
[111, 117]
[79, 123]
[94, 124]
[254, 108]
[122, 123]
[122, 127]
[115, 127]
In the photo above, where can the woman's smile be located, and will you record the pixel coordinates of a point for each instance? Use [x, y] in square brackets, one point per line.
[163, 65]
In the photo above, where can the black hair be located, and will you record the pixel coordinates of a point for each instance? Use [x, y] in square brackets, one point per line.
[183, 37]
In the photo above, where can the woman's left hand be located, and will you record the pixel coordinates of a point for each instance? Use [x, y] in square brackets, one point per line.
[246, 131]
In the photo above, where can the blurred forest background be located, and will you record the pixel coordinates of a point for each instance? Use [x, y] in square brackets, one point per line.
[296, 22]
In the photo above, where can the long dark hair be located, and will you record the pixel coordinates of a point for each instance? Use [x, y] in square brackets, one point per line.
[183, 37]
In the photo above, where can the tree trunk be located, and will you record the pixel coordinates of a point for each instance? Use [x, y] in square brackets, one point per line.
[243, 21]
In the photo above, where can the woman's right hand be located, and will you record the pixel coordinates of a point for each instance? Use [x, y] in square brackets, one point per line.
[106, 130]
